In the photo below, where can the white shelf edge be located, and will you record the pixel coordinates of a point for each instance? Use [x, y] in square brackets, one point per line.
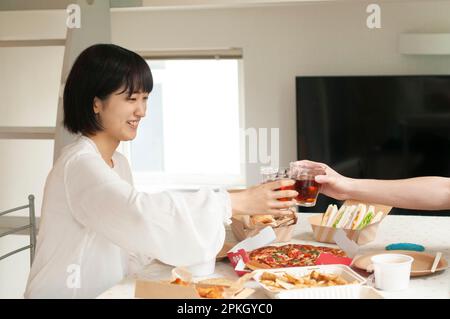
[34, 133]
[424, 43]
[31, 43]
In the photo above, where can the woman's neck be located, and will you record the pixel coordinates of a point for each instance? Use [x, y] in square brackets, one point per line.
[106, 146]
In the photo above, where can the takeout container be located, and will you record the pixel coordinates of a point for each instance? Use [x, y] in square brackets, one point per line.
[325, 234]
[164, 289]
[350, 291]
[238, 254]
[243, 227]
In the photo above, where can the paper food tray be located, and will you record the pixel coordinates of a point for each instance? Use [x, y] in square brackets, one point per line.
[351, 291]
[164, 289]
[326, 234]
[283, 232]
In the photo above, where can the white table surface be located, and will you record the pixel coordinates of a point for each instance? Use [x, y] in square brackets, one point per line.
[429, 231]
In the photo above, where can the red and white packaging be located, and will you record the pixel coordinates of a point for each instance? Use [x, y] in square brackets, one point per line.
[238, 254]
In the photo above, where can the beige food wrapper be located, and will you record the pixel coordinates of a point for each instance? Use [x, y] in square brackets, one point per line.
[243, 226]
[165, 289]
[326, 234]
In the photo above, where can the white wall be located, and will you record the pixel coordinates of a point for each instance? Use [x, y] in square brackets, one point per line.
[280, 42]
[29, 85]
[14, 269]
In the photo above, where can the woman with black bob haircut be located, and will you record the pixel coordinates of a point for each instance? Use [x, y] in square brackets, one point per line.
[96, 227]
[100, 71]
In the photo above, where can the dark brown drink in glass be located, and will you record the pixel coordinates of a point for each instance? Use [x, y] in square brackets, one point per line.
[284, 188]
[270, 174]
[283, 173]
[306, 186]
[307, 189]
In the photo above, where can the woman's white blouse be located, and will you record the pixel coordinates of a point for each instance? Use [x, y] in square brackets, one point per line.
[93, 222]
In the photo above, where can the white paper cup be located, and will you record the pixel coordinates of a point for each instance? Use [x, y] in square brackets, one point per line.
[203, 269]
[392, 271]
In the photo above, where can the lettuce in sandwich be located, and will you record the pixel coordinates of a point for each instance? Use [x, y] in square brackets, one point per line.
[367, 218]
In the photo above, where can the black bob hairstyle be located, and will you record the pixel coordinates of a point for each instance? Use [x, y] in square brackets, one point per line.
[98, 71]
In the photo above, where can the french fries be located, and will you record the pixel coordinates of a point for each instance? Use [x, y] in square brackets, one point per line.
[285, 281]
[213, 292]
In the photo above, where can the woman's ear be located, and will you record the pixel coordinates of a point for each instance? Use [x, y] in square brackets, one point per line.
[97, 105]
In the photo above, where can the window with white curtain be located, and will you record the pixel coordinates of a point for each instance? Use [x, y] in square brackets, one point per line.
[190, 136]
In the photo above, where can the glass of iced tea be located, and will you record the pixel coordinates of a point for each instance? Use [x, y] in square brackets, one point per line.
[270, 174]
[283, 173]
[305, 184]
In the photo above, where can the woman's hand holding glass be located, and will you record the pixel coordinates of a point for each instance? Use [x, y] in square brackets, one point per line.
[264, 199]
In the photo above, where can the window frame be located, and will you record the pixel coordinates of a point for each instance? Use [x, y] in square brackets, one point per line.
[157, 181]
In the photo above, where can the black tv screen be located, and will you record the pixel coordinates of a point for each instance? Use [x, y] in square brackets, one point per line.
[382, 127]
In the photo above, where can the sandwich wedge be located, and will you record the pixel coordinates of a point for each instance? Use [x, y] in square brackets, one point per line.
[343, 220]
[348, 214]
[332, 216]
[359, 216]
[352, 215]
[367, 218]
[339, 215]
[326, 215]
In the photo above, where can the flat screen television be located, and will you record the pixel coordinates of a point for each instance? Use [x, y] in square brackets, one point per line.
[382, 127]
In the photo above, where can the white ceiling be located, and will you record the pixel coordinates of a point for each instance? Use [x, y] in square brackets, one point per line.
[157, 3]
[62, 4]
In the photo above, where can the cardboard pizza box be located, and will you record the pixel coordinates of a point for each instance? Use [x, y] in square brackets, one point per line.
[326, 234]
[165, 289]
[240, 260]
[238, 255]
[147, 289]
[243, 227]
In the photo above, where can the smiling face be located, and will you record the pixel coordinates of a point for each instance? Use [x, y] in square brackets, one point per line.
[119, 114]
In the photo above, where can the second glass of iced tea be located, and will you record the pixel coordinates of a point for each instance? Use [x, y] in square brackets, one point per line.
[270, 174]
[283, 173]
[305, 183]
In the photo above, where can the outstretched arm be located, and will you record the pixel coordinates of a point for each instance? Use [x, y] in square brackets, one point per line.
[423, 193]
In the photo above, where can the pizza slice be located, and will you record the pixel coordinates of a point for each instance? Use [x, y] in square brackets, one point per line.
[290, 255]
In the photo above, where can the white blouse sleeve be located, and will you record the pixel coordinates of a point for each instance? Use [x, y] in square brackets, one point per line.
[179, 229]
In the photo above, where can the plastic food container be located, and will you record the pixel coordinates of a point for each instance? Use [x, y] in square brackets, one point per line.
[350, 291]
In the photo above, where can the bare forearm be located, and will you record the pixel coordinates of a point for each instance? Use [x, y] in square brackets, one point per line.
[424, 193]
[237, 201]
